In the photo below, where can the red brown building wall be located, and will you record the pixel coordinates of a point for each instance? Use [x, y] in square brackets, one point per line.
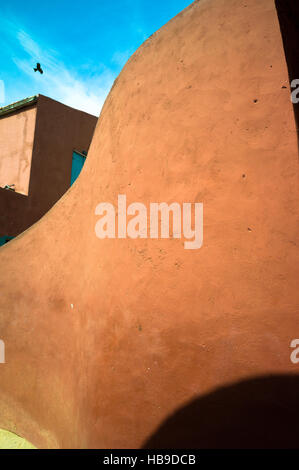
[59, 130]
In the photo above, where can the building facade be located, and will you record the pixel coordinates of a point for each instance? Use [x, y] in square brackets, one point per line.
[43, 146]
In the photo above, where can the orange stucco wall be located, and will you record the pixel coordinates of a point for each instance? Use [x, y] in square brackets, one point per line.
[16, 141]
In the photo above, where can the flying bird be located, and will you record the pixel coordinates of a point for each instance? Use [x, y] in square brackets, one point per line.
[38, 68]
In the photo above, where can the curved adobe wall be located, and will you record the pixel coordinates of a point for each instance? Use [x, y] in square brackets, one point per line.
[106, 338]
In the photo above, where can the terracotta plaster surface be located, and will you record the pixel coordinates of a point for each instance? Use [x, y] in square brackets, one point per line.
[105, 339]
[16, 141]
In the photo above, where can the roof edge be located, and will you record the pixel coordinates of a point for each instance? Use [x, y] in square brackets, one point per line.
[18, 105]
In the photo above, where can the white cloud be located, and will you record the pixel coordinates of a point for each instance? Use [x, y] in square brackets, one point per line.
[58, 83]
[85, 91]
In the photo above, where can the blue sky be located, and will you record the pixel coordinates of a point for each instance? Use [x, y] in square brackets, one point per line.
[81, 45]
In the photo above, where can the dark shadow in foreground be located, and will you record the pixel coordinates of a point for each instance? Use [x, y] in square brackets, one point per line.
[257, 413]
[288, 16]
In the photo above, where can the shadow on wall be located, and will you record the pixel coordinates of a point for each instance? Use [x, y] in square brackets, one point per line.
[288, 15]
[257, 413]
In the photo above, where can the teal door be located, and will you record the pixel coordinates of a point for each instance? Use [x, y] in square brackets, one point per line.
[77, 164]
